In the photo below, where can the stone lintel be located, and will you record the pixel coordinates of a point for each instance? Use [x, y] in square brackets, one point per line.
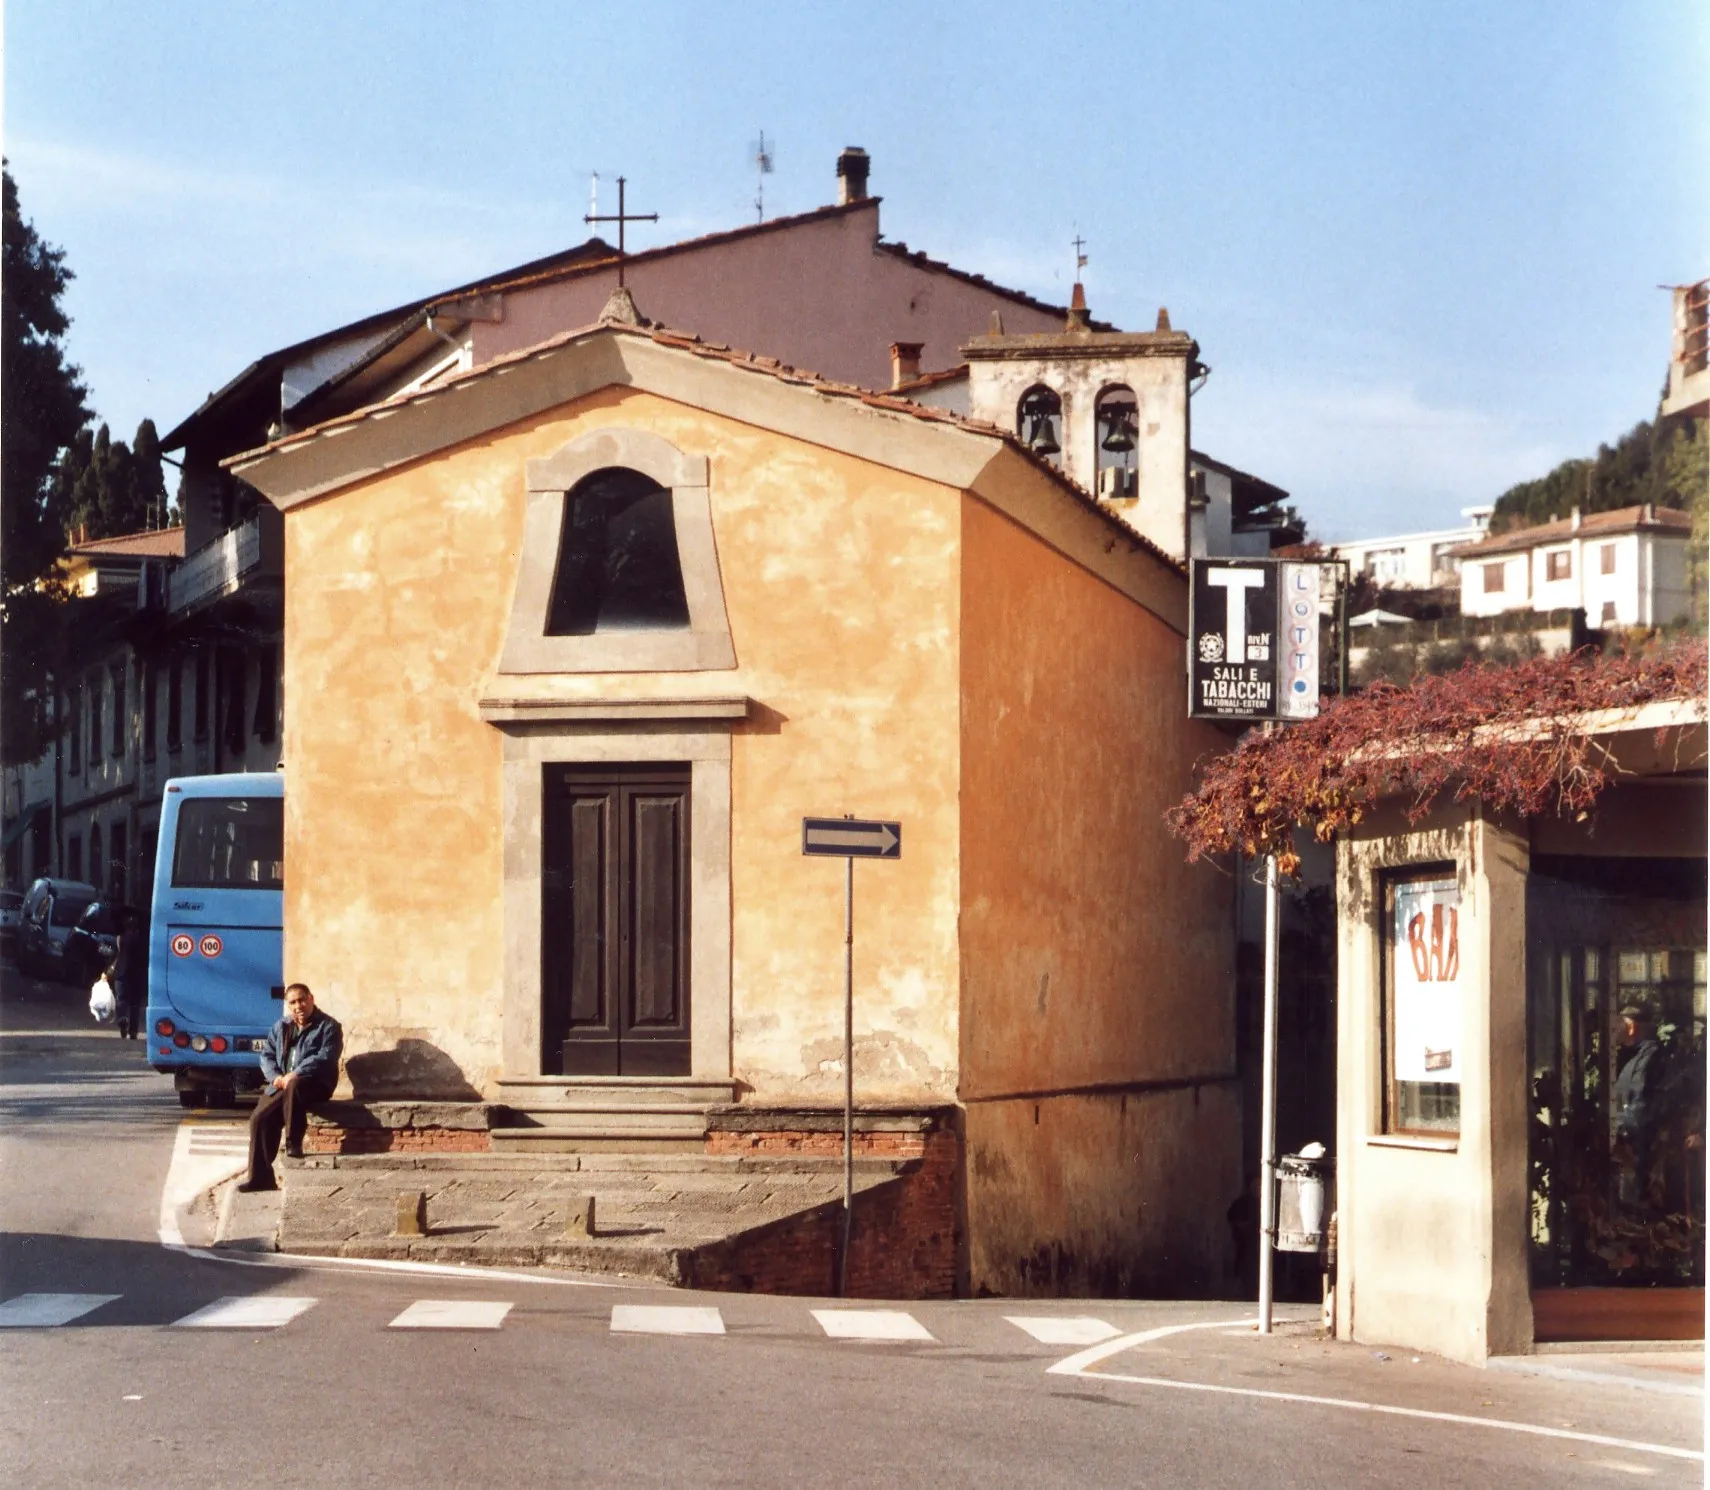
[1080, 344]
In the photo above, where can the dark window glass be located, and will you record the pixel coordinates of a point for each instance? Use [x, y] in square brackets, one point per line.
[68, 909]
[230, 843]
[175, 704]
[618, 568]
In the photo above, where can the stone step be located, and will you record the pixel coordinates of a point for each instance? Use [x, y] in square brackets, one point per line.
[603, 1137]
[523, 1160]
[525, 1094]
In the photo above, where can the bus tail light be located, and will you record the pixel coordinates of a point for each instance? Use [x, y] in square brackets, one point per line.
[164, 1027]
[181, 1040]
[218, 1045]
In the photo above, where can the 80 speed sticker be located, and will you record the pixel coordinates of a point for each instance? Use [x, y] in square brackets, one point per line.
[183, 946]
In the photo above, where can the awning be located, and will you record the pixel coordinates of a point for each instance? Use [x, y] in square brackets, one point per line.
[21, 823]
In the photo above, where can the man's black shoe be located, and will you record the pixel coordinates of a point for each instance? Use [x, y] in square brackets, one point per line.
[293, 1151]
[249, 1187]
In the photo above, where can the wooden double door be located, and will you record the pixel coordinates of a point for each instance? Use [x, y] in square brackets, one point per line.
[615, 921]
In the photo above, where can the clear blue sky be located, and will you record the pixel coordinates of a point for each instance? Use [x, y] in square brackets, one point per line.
[1418, 244]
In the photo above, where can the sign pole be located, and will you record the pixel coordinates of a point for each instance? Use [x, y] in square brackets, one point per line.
[848, 1073]
[1268, 1115]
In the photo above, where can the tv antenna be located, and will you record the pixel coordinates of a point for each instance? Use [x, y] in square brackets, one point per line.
[762, 155]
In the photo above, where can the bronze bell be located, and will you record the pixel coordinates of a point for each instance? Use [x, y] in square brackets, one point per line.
[1118, 421]
[1041, 439]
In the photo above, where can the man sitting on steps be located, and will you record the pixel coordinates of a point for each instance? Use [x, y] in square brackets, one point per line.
[299, 1068]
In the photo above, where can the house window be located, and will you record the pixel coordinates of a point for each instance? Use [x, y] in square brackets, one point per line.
[175, 704]
[267, 693]
[119, 718]
[200, 719]
[1558, 565]
[1606, 558]
[94, 686]
[150, 686]
[1423, 992]
[618, 566]
[236, 671]
[74, 729]
[1495, 578]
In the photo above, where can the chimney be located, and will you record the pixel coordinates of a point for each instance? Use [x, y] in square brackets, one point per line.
[1163, 318]
[1573, 518]
[905, 362]
[1078, 313]
[852, 166]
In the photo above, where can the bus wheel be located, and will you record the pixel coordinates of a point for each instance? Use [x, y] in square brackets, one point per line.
[187, 1097]
[220, 1096]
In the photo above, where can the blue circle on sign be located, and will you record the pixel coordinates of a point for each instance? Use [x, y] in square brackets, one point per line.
[1300, 685]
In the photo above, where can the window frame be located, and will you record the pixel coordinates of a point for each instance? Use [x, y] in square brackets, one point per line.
[1558, 565]
[1496, 577]
[1606, 559]
[1389, 1123]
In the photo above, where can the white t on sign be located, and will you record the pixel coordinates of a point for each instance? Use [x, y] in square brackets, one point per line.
[1426, 958]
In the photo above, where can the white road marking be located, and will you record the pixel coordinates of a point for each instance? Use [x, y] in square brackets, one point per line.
[1081, 1365]
[665, 1319]
[37, 1311]
[871, 1324]
[266, 1311]
[452, 1314]
[192, 1172]
[1078, 1330]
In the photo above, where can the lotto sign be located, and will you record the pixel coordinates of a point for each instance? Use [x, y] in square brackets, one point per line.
[1253, 639]
[1425, 955]
[212, 946]
[183, 946]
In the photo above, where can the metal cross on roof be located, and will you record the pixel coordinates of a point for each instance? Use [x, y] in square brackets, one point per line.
[620, 218]
[1080, 256]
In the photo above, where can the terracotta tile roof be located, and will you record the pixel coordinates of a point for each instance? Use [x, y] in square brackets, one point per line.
[934, 379]
[920, 260]
[157, 543]
[1594, 525]
[744, 361]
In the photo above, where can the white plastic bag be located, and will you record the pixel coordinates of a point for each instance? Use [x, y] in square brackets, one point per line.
[102, 1004]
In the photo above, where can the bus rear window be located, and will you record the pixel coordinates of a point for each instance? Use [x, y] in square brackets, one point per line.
[230, 843]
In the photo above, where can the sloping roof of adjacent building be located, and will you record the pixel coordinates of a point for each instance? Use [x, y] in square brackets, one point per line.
[1646, 518]
[156, 543]
[749, 362]
[591, 257]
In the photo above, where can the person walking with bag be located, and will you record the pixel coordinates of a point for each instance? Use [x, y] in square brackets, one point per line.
[299, 1067]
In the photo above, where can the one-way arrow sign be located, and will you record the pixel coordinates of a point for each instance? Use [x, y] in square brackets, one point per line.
[851, 838]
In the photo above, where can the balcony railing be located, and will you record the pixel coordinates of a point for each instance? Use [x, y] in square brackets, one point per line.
[217, 568]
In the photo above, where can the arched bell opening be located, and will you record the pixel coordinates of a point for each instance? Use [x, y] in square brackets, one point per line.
[1039, 422]
[1116, 425]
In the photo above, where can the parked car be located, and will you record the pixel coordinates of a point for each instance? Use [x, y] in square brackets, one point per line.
[51, 908]
[93, 945]
[11, 912]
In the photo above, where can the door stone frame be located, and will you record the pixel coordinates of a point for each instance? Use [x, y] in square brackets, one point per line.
[588, 733]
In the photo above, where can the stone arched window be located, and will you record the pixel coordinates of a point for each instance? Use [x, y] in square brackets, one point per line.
[1039, 422]
[1116, 425]
[618, 565]
[618, 571]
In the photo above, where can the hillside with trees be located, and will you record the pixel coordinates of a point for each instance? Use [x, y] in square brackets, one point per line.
[1660, 461]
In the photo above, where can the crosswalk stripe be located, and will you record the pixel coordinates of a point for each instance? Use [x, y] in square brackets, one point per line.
[871, 1324]
[452, 1314]
[256, 1312]
[1077, 1330]
[655, 1319]
[34, 1311]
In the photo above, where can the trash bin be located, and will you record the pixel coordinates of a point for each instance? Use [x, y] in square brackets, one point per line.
[1303, 1182]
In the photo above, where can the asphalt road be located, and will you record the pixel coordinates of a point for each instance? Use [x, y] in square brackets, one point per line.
[125, 1395]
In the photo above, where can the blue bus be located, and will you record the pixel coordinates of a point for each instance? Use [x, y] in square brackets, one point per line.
[216, 942]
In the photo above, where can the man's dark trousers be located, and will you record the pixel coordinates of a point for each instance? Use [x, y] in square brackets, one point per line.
[280, 1111]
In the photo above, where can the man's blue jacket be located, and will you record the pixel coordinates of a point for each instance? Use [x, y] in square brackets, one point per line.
[312, 1051]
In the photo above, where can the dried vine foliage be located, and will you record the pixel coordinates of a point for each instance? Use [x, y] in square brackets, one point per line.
[1511, 737]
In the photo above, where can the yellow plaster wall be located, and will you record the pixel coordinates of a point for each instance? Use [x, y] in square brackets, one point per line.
[840, 580]
[1095, 962]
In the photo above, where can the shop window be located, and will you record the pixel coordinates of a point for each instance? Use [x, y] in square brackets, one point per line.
[618, 566]
[1495, 578]
[1558, 565]
[1616, 1024]
[1423, 993]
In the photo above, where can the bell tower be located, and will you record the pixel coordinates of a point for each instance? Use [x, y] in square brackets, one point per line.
[1108, 408]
